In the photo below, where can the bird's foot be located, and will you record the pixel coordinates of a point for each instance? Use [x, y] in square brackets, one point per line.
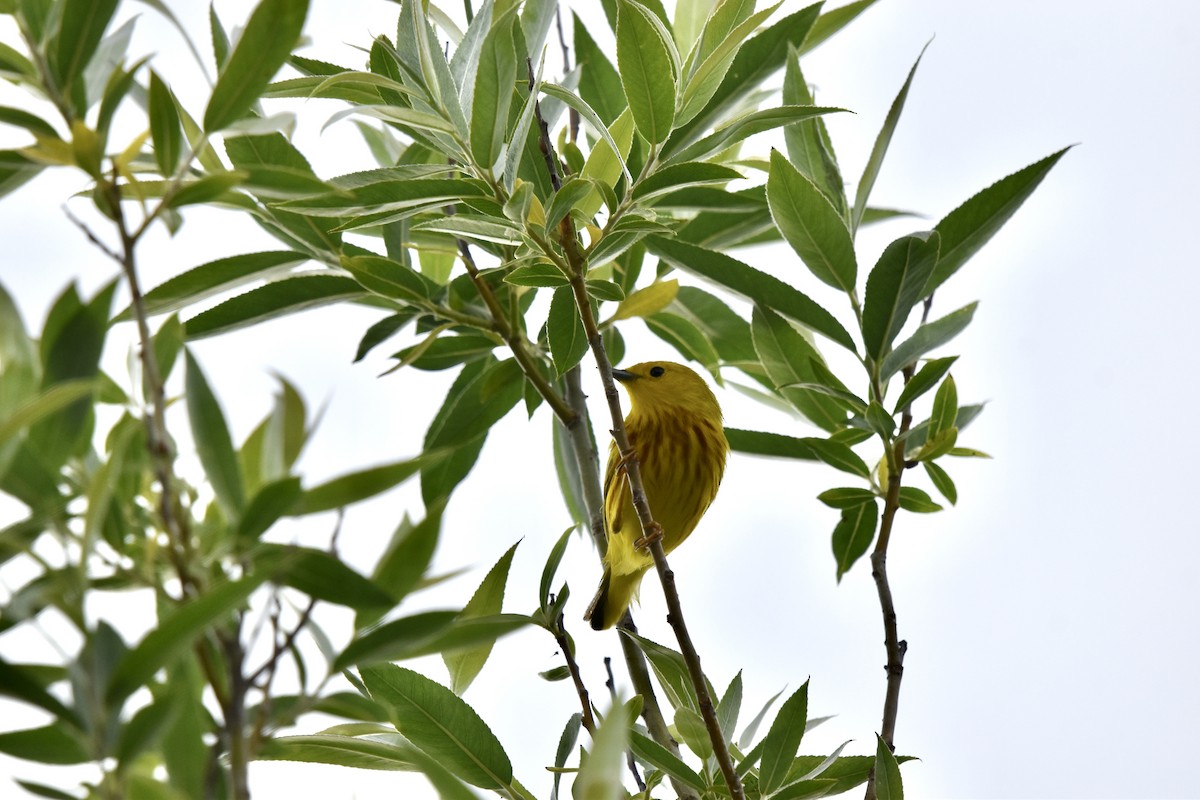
[655, 534]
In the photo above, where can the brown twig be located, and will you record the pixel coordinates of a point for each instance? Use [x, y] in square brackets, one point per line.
[515, 341]
[564, 644]
[895, 647]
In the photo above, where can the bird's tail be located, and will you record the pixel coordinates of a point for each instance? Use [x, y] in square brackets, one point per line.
[615, 594]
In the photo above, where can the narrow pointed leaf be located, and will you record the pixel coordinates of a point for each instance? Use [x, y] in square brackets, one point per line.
[465, 665]
[277, 299]
[853, 535]
[266, 42]
[175, 634]
[879, 150]
[435, 720]
[927, 337]
[647, 72]
[751, 283]
[894, 287]
[811, 225]
[969, 227]
[783, 740]
[213, 443]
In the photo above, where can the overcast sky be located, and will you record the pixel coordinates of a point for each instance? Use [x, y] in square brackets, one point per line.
[1051, 616]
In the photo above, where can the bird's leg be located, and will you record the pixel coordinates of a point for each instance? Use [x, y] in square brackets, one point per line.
[655, 534]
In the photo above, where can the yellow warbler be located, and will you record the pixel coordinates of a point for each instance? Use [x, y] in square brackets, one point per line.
[674, 427]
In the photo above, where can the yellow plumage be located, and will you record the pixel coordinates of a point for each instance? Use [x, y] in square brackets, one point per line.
[674, 427]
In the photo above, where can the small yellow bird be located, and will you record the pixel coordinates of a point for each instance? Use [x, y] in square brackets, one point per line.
[674, 427]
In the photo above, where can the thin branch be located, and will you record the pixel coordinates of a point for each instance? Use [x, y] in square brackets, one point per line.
[572, 114]
[635, 661]
[569, 241]
[585, 702]
[895, 647]
[515, 341]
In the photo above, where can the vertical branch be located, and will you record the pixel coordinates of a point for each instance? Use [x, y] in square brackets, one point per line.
[158, 439]
[564, 644]
[638, 670]
[895, 647]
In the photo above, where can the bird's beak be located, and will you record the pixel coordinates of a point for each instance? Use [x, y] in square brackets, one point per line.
[624, 375]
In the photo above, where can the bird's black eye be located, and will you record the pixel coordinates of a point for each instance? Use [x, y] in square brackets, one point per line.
[656, 372]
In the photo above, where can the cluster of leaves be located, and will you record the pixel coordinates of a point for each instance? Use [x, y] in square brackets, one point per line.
[487, 194]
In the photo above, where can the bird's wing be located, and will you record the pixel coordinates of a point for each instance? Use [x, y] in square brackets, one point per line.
[615, 488]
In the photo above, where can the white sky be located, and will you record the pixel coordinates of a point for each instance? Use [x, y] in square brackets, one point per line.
[1051, 617]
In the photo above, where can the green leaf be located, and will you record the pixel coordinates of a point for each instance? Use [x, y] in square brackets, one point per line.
[288, 296]
[917, 501]
[888, 785]
[355, 487]
[70, 348]
[564, 331]
[605, 164]
[875, 161]
[445, 352]
[916, 439]
[81, 27]
[176, 633]
[811, 225]
[482, 394]
[808, 146]
[846, 497]
[749, 282]
[788, 359]
[945, 407]
[690, 728]
[465, 665]
[838, 456]
[678, 176]
[649, 70]
[52, 744]
[941, 481]
[390, 278]
[654, 754]
[783, 740]
[397, 639]
[682, 334]
[435, 720]
[853, 534]
[21, 681]
[969, 227]
[743, 127]
[343, 751]
[541, 274]
[723, 35]
[894, 287]
[833, 21]
[213, 443]
[599, 82]
[321, 576]
[762, 443]
[165, 129]
[213, 277]
[599, 774]
[271, 502]
[264, 46]
[757, 59]
[925, 379]
[30, 122]
[402, 565]
[493, 92]
[671, 671]
[927, 337]
[551, 567]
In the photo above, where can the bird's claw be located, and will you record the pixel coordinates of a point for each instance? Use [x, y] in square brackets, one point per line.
[655, 534]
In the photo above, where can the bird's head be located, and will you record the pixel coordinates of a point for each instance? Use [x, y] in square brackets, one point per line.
[657, 386]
